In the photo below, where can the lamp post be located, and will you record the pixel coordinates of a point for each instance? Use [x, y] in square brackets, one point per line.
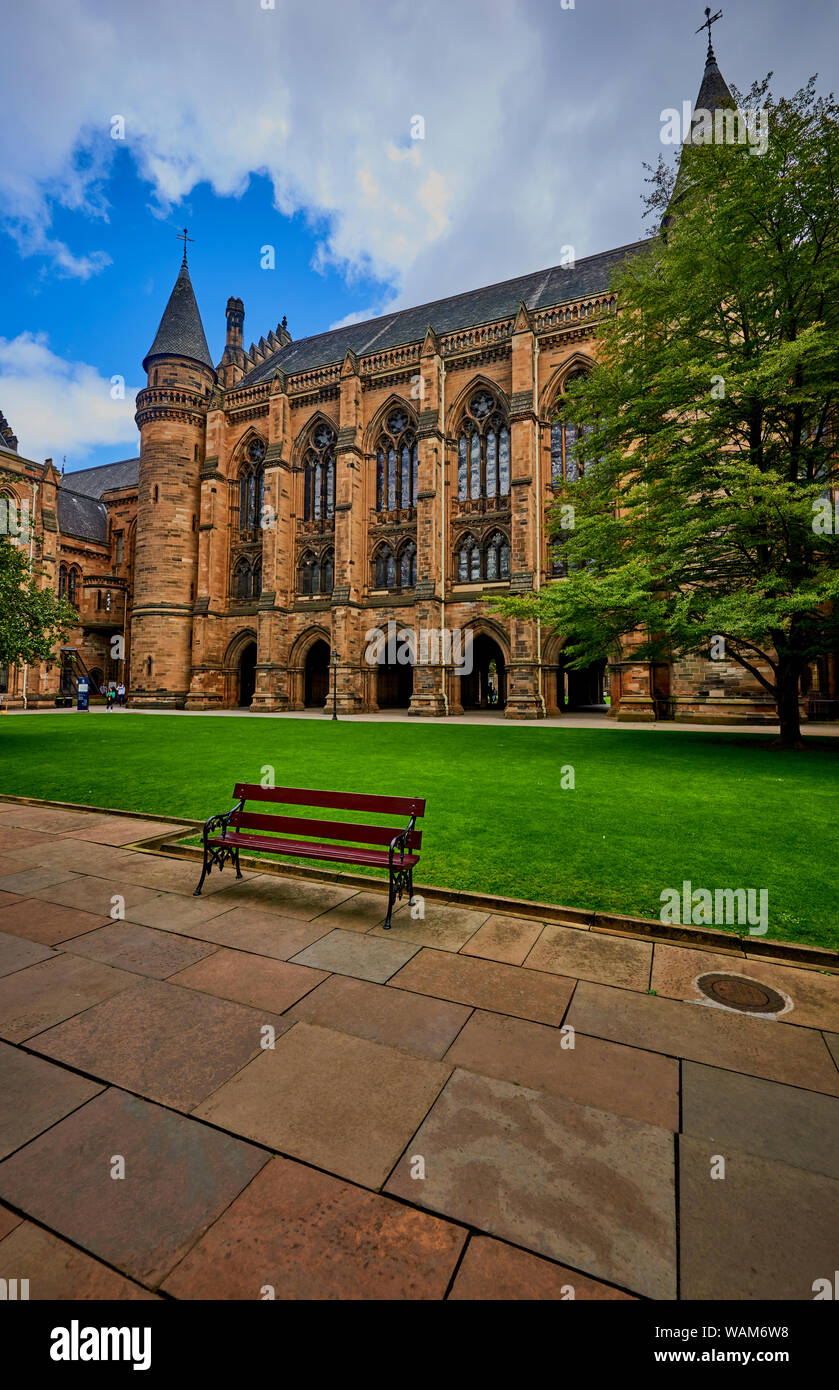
[334, 685]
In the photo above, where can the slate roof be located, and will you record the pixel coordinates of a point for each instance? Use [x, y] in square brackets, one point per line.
[537, 290]
[92, 482]
[181, 332]
[81, 516]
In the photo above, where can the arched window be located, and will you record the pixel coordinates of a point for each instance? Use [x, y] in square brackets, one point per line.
[252, 487]
[497, 559]
[397, 463]
[309, 574]
[483, 450]
[327, 572]
[491, 564]
[62, 581]
[564, 436]
[72, 586]
[319, 474]
[256, 581]
[469, 560]
[408, 566]
[384, 568]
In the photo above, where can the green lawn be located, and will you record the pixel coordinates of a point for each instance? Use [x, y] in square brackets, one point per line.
[648, 809]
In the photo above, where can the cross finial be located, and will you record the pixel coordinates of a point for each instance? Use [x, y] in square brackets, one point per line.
[182, 236]
[709, 20]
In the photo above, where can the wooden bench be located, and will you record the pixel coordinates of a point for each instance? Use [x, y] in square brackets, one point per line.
[225, 835]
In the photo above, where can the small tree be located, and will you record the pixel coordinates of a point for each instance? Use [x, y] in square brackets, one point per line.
[32, 620]
[703, 522]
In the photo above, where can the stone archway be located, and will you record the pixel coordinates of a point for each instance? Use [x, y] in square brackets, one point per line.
[239, 668]
[583, 690]
[316, 675]
[247, 675]
[394, 685]
[300, 692]
[485, 687]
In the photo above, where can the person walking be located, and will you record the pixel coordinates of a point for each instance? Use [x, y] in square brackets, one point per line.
[109, 698]
[121, 694]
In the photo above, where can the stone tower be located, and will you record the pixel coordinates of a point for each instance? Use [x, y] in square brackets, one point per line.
[171, 417]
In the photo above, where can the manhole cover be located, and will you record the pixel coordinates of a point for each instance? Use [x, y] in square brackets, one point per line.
[738, 992]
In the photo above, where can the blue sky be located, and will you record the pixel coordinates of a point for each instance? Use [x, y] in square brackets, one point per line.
[290, 125]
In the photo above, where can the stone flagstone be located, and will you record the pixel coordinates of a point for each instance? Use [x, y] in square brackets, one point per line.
[34, 1094]
[47, 922]
[506, 939]
[179, 1177]
[171, 1044]
[586, 1188]
[760, 1117]
[585, 955]
[493, 1271]
[263, 984]
[44, 994]
[764, 1231]
[147, 952]
[758, 1046]
[16, 953]
[394, 1018]
[625, 1080]
[338, 1102]
[56, 1270]
[311, 1236]
[350, 953]
[505, 989]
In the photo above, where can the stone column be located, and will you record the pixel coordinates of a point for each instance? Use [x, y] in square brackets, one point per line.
[429, 695]
[271, 692]
[524, 697]
[351, 502]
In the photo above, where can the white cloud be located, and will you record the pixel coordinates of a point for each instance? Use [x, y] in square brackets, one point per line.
[57, 407]
[537, 118]
[320, 95]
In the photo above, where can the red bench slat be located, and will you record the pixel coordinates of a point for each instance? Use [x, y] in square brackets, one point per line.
[347, 831]
[310, 849]
[336, 801]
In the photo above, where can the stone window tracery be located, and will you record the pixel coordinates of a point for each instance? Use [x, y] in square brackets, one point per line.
[483, 449]
[397, 463]
[319, 474]
[565, 434]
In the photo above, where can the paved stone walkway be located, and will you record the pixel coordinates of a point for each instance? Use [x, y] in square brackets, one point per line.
[565, 721]
[421, 1127]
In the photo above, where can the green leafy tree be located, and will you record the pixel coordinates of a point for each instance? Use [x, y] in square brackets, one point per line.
[703, 523]
[32, 620]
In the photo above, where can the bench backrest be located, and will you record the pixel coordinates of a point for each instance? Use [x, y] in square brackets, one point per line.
[350, 832]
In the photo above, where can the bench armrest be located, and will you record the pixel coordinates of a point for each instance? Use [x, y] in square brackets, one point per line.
[400, 842]
[222, 821]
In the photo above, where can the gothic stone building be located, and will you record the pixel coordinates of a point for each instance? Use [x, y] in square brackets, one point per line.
[391, 475]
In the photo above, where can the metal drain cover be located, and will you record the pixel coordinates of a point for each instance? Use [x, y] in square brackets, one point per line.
[738, 992]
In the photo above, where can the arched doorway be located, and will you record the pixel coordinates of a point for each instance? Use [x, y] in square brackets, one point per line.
[394, 686]
[582, 690]
[316, 676]
[486, 685]
[247, 675]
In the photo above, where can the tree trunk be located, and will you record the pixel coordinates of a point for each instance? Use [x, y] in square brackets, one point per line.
[786, 696]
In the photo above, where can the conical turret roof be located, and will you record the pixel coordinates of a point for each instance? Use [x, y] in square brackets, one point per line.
[181, 332]
[713, 92]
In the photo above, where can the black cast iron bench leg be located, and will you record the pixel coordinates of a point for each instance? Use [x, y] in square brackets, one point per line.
[205, 868]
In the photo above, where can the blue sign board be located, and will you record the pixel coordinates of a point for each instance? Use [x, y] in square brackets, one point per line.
[82, 695]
